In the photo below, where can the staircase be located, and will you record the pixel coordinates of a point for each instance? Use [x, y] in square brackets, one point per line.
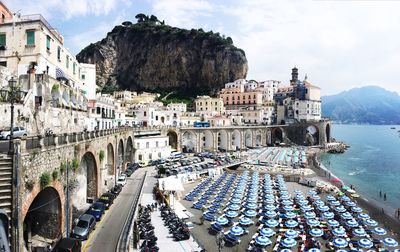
[5, 183]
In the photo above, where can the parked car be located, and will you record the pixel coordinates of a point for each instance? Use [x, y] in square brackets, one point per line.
[128, 172]
[116, 190]
[68, 245]
[143, 163]
[97, 210]
[121, 180]
[86, 224]
[107, 199]
[17, 132]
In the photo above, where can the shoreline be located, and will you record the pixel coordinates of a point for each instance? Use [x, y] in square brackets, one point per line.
[373, 207]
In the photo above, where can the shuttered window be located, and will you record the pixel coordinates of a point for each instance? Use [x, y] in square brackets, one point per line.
[2, 39]
[30, 37]
[48, 42]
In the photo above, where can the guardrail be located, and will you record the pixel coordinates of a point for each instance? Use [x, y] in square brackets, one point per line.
[123, 240]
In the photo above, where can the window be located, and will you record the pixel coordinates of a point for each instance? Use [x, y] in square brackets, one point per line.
[30, 38]
[150, 156]
[3, 39]
[147, 144]
[74, 68]
[48, 42]
[144, 114]
[67, 61]
[59, 53]
[138, 145]
[166, 143]
[156, 144]
[83, 76]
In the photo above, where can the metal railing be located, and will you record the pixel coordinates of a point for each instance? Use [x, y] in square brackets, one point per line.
[123, 241]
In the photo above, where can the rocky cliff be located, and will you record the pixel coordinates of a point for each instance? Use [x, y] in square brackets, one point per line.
[159, 58]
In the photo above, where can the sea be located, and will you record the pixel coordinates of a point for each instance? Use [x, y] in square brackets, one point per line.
[371, 164]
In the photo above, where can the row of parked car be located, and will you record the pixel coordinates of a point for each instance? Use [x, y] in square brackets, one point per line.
[87, 221]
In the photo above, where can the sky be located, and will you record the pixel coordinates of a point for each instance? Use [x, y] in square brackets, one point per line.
[339, 44]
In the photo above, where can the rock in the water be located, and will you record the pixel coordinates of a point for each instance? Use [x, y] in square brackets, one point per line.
[157, 58]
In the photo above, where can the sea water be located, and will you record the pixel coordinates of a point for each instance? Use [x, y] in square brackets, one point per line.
[371, 164]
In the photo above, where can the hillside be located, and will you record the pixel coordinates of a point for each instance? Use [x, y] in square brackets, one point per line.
[366, 105]
[154, 57]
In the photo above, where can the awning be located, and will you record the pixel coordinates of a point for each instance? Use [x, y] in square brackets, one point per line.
[60, 75]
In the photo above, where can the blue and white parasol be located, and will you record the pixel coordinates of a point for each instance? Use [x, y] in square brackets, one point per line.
[291, 233]
[346, 215]
[222, 221]
[316, 232]
[290, 215]
[307, 208]
[237, 230]
[365, 243]
[245, 221]
[270, 214]
[288, 242]
[234, 207]
[363, 216]
[291, 223]
[287, 202]
[340, 231]
[313, 250]
[356, 209]
[340, 243]
[345, 198]
[328, 215]
[284, 197]
[352, 223]
[288, 208]
[330, 198]
[340, 209]
[262, 240]
[333, 223]
[334, 203]
[272, 223]
[208, 216]
[323, 208]
[235, 201]
[313, 222]
[267, 232]
[309, 215]
[302, 202]
[269, 207]
[231, 214]
[350, 203]
[269, 201]
[390, 242]
[359, 232]
[250, 213]
[371, 222]
[379, 231]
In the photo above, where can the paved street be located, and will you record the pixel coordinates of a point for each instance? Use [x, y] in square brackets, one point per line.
[105, 237]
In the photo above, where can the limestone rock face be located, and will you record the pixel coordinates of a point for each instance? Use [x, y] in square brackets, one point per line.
[160, 58]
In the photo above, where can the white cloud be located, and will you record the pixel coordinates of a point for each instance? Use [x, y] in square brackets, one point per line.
[65, 9]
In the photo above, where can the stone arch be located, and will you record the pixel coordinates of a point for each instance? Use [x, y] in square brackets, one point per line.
[268, 137]
[188, 141]
[43, 219]
[248, 137]
[236, 140]
[328, 132]
[65, 96]
[86, 183]
[223, 144]
[208, 140]
[277, 136]
[173, 139]
[129, 150]
[312, 135]
[110, 159]
[120, 155]
[258, 139]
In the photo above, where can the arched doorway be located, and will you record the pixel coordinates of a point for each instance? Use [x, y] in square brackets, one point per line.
[248, 137]
[188, 141]
[269, 137]
[44, 217]
[173, 139]
[208, 140]
[120, 155]
[223, 140]
[277, 136]
[110, 159]
[236, 140]
[328, 133]
[258, 139]
[129, 151]
[312, 135]
[86, 183]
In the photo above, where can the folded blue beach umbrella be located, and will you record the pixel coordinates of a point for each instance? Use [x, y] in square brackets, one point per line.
[209, 216]
[340, 243]
[333, 223]
[359, 232]
[267, 232]
[390, 242]
[365, 243]
[237, 230]
[313, 222]
[316, 232]
[352, 223]
[262, 240]
[272, 223]
[291, 223]
[288, 242]
[291, 233]
[231, 214]
[222, 220]
[379, 231]
[340, 231]
[371, 222]
[309, 215]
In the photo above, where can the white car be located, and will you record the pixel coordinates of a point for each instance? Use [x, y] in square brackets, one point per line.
[17, 132]
[121, 180]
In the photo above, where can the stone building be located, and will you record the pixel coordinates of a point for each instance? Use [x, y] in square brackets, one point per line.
[209, 106]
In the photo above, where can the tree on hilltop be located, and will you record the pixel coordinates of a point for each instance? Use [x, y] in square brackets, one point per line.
[141, 18]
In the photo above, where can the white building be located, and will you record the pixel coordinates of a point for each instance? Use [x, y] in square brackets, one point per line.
[151, 148]
[180, 107]
[88, 79]
[101, 112]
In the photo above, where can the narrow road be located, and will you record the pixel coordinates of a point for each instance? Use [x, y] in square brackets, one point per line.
[108, 230]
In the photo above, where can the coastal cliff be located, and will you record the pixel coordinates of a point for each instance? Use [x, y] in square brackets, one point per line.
[154, 57]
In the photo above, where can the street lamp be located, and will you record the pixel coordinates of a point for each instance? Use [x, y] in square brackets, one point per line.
[12, 94]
